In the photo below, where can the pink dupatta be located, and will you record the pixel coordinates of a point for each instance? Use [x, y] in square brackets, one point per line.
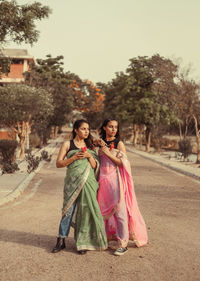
[114, 184]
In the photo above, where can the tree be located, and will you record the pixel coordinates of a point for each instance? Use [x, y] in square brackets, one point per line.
[48, 74]
[155, 107]
[17, 24]
[137, 97]
[196, 118]
[89, 100]
[185, 100]
[188, 109]
[21, 107]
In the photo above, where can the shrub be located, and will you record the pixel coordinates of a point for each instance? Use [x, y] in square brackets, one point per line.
[7, 149]
[33, 161]
[185, 147]
[9, 168]
[45, 156]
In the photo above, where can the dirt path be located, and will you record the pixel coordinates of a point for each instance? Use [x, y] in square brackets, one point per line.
[169, 202]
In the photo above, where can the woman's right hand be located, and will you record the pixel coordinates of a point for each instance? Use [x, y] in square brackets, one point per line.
[78, 155]
[101, 142]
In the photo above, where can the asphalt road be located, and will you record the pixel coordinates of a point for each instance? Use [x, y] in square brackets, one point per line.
[169, 202]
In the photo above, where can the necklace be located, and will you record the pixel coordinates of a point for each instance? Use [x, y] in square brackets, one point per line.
[79, 144]
[109, 141]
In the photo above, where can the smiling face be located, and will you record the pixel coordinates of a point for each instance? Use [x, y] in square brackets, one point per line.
[83, 131]
[111, 129]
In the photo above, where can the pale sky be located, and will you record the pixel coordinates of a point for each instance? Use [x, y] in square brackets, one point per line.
[98, 37]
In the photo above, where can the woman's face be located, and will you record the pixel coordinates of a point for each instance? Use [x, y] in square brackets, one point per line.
[83, 131]
[111, 128]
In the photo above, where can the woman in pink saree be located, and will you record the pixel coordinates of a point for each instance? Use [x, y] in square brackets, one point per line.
[116, 196]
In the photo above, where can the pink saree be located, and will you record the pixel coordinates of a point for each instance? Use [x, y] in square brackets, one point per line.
[118, 203]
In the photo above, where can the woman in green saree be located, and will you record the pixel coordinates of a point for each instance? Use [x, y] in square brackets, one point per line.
[80, 192]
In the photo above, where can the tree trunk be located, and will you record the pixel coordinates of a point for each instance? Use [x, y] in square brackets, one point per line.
[140, 139]
[197, 131]
[52, 134]
[28, 132]
[135, 134]
[22, 149]
[180, 131]
[21, 131]
[148, 140]
[198, 150]
[56, 132]
[186, 126]
[142, 132]
[46, 135]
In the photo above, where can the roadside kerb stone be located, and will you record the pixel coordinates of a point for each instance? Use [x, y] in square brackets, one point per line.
[174, 165]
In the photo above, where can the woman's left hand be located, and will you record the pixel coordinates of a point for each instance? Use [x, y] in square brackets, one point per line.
[105, 150]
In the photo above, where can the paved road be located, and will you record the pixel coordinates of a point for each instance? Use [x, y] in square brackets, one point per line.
[169, 202]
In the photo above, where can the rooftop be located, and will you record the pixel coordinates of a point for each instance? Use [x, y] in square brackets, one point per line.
[16, 53]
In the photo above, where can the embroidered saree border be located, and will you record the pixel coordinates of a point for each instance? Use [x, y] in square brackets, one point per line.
[78, 190]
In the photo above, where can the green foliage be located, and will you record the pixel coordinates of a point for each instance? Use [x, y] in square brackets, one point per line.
[185, 147]
[48, 74]
[45, 156]
[33, 161]
[17, 22]
[142, 96]
[23, 103]
[9, 168]
[4, 64]
[7, 149]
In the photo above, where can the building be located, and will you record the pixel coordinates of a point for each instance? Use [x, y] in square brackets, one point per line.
[7, 133]
[20, 63]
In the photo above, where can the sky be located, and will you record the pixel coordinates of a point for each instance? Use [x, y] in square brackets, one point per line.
[98, 37]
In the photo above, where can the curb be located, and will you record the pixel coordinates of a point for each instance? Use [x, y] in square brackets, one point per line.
[27, 179]
[179, 170]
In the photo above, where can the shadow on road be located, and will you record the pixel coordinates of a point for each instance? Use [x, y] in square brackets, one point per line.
[46, 242]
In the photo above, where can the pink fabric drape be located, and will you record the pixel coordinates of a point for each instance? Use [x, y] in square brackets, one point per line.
[116, 192]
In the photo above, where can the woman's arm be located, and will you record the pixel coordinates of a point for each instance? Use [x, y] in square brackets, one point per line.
[121, 147]
[113, 158]
[61, 162]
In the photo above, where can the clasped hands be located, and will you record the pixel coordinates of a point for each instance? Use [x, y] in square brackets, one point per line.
[81, 155]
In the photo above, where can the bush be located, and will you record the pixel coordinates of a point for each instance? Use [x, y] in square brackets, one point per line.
[9, 168]
[7, 149]
[185, 147]
[33, 161]
[45, 156]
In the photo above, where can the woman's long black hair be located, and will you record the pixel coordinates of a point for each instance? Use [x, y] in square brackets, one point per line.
[76, 126]
[102, 132]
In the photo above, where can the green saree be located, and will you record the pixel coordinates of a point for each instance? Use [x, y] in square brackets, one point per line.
[81, 185]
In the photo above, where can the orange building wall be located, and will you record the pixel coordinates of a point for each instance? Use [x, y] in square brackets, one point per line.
[7, 135]
[16, 71]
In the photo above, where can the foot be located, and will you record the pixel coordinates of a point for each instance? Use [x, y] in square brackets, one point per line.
[82, 252]
[120, 251]
[60, 245]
